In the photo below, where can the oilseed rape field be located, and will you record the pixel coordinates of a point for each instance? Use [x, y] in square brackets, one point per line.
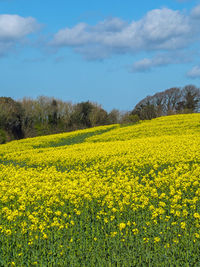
[117, 195]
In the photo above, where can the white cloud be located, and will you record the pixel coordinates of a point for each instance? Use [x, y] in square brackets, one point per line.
[147, 64]
[13, 29]
[194, 72]
[159, 29]
[195, 13]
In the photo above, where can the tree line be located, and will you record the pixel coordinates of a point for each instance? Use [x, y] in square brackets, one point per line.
[45, 115]
[171, 101]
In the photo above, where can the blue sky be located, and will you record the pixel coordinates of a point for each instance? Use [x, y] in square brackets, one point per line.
[112, 52]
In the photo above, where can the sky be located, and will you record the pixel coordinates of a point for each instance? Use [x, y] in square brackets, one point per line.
[111, 52]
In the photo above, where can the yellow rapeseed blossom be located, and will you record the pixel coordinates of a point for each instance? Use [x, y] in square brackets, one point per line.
[131, 182]
[156, 239]
[122, 226]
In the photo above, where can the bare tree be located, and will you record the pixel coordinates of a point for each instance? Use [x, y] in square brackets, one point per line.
[168, 102]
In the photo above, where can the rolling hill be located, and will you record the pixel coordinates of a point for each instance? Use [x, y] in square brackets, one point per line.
[117, 195]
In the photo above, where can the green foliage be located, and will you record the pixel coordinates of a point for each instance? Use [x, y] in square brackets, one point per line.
[134, 118]
[47, 115]
[2, 137]
[81, 114]
[145, 112]
[11, 114]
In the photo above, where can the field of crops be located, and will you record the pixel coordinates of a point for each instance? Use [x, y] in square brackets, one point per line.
[106, 196]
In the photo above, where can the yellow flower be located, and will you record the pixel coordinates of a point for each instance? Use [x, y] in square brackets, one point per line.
[106, 220]
[183, 224]
[156, 239]
[135, 231]
[58, 213]
[185, 213]
[8, 232]
[128, 223]
[122, 226]
[197, 235]
[113, 234]
[196, 215]
[45, 236]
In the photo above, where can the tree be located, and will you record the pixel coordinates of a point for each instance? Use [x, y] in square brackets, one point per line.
[98, 116]
[145, 111]
[113, 116]
[127, 118]
[11, 117]
[53, 113]
[2, 137]
[81, 114]
[191, 97]
[169, 102]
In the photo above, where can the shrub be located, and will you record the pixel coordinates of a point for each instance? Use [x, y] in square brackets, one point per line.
[2, 137]
[134, 118]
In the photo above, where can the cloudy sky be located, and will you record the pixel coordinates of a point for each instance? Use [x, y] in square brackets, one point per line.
[112, 52]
